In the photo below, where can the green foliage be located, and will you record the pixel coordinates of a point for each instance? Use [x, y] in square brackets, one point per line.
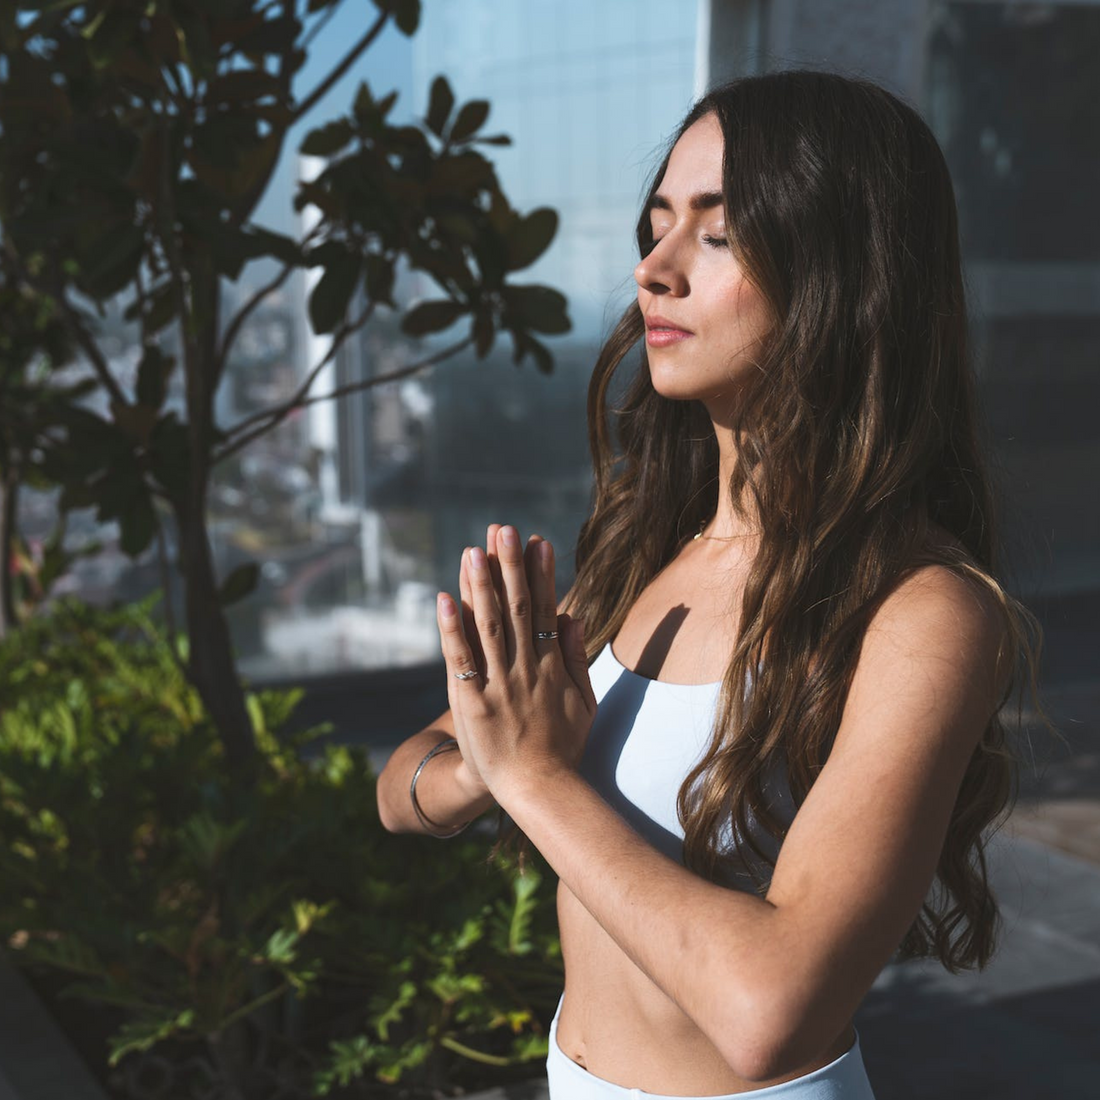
[430, 196]
[352, 959]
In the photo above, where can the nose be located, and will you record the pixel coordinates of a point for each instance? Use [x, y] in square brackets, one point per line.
[661, 272]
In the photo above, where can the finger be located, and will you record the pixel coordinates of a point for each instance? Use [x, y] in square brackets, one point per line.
[515, 602]
[544, 603]
[457, 654]
[491, 551]
[487, 613]
[469, 627]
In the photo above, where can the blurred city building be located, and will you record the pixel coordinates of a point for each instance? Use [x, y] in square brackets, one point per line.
[358, 509]
[417, 469]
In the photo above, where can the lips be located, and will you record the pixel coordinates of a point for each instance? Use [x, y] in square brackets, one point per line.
[661, 332]
[662, 324]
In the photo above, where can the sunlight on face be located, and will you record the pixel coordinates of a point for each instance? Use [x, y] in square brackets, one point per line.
[691, 282]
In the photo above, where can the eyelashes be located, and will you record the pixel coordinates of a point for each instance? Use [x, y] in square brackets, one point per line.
[714, 242]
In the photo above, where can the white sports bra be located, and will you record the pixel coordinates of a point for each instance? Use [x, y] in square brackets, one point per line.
[646, 737]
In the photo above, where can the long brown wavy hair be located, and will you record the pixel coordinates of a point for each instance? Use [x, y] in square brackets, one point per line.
[858, 433]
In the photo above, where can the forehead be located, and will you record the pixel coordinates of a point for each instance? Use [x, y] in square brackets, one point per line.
[694, 168]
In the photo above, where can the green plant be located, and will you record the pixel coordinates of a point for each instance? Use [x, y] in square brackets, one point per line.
[285, 944]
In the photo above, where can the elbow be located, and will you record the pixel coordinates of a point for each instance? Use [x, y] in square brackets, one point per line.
[753, 1054]
[762, 1042]
[384, 817]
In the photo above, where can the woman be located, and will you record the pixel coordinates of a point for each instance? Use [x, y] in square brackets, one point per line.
[781, 767]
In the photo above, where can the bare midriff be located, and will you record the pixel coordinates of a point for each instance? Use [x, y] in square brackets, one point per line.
[619, 1026]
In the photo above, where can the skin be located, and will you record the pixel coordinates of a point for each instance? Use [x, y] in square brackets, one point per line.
[691, 278]
[676, 985]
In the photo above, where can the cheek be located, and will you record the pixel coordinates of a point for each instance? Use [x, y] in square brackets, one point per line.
[738, 313]
[750, 312]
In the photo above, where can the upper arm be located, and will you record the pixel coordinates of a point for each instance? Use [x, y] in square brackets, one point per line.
[860, 855]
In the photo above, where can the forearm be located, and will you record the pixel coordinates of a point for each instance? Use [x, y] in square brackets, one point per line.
[696, 941]
[441, 795]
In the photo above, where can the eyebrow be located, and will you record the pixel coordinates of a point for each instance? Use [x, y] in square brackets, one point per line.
[701, 200]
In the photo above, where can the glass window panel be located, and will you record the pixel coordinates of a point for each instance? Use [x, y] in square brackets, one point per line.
[1013, 94]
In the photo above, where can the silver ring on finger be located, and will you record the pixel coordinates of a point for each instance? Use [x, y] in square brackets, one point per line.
[546, 634]
[467, 675]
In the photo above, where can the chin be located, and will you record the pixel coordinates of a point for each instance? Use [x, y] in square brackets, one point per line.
[680, 383]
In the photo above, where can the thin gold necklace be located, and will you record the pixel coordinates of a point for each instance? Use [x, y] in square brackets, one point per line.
[718, 538]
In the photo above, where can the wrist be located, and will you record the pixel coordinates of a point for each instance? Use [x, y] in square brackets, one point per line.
[472, 788]
[531, 782]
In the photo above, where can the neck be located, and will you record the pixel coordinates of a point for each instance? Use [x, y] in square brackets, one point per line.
[728, 523]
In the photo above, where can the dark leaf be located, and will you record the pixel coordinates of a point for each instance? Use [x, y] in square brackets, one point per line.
[440, 104]
[239, 583]
[327, 252]
[247, 163]
[470, 119]
[242, 85]
[271, 36]
[431, 317]
[529, 237]
[111, 261]
[536, 307]
[380, 275]
[135, 421]
[406, 14]
[364, 107]
[170, 456]
[463, 174]
[327, 140]
[528, 345]
[267, 243]
[153, 373]
[138, 524]
[483, 332]
[328, 304]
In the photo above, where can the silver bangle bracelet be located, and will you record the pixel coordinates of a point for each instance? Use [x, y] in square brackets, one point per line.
[446, 745]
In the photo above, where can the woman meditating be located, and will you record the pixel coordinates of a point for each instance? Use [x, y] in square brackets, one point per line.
[769, 759]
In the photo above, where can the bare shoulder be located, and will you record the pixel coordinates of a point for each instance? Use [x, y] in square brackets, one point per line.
[939, 616]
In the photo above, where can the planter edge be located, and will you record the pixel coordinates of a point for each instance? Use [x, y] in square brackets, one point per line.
[37, 1061]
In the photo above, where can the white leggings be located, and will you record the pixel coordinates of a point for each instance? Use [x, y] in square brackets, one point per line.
[842, 1079]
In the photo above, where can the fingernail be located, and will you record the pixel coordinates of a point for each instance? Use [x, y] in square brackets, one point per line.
[477, 558]
[447, 606]
[511, 539]
[544, 550]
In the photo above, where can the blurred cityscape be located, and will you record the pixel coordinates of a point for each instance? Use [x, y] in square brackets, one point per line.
[357, 510]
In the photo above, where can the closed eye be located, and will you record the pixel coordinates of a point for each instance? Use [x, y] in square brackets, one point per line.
[714, 242]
